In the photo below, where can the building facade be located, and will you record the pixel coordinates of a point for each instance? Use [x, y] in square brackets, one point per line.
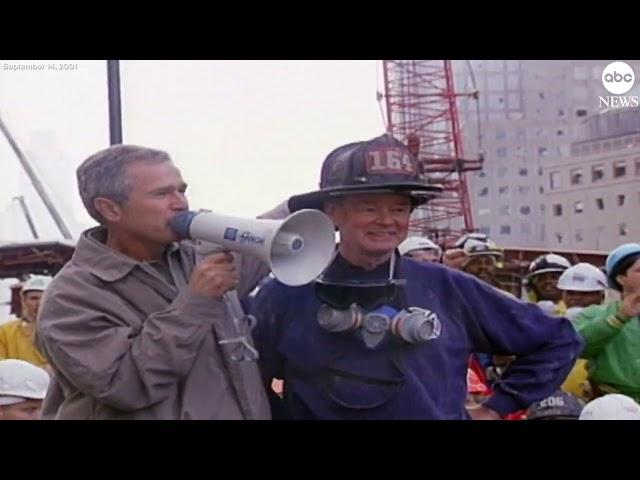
[529, 115]
[593, 196]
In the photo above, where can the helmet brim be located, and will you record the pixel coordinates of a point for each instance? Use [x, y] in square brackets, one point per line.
[418, 193]
[531, 275]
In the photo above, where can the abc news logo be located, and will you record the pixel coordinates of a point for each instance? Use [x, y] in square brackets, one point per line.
[618, 78]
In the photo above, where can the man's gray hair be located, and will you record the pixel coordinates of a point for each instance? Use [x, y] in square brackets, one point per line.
[103, 174]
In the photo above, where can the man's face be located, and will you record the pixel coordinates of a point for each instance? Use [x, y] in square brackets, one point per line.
[572, 298]
[30, 305]
[630, 282]
[27, 410]
[482, 267]
[157, 195]
[371, 224]
[545, 286]
[424, 255]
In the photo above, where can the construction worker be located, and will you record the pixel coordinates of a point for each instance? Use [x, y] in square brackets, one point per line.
[612, 406]
[482, 257]
[382, 336]
[582, 285]
[420, 248]
[612, 331]
[476, 254]
[22, 388]
[541, 282]
[559, 406]
[17, 338]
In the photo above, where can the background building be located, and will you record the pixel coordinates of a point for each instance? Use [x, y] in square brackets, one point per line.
[533, 115]
[593, 196]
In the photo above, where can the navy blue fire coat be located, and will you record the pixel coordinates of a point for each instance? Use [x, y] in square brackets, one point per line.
[332, 375]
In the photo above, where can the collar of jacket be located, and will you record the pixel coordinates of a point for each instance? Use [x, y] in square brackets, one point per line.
[105, 263]
[342, 269]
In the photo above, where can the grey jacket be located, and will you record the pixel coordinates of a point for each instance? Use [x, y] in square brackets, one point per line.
[125, 343]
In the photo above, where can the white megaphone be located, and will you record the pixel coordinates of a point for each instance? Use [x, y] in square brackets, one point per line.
[298, 248]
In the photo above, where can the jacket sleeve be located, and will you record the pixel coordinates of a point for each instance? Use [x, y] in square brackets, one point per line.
[545, 347]
[597, 328]
[108, 352]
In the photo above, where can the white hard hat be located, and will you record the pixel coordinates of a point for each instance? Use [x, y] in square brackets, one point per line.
[549, 262]
[20, 380]
[613, 406]
[460, 242]
[417, 243]
[475, 244]
[583, 277]
[37, 282]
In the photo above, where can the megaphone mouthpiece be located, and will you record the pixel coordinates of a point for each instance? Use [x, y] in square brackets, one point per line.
[181, 224]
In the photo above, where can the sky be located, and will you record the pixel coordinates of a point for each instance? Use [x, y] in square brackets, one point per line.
[245, 134]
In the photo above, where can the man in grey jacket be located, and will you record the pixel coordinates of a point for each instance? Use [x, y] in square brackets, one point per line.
[133, 324]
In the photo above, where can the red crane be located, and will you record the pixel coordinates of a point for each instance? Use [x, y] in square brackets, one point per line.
[422, 111]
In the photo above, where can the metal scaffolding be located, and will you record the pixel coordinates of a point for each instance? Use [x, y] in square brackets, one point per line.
[421, 110]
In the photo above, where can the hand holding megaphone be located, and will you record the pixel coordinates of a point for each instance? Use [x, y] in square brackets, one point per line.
[297, 249]
[214, 276]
